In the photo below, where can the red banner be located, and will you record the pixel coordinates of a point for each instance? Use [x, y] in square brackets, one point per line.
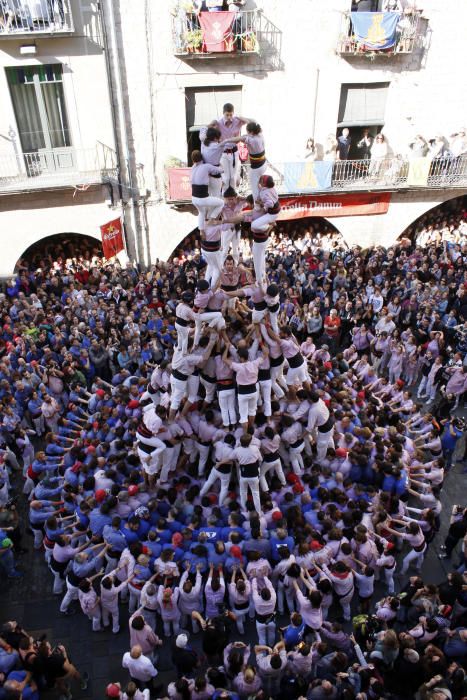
[353, 204]
[179, 184]
[112, 238]
[216, 27]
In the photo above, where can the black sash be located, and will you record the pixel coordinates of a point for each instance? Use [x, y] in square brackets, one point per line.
[200, 191]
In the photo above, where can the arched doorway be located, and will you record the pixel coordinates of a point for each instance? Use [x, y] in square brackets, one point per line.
[318, 228]
[451, 211]
[50, 249]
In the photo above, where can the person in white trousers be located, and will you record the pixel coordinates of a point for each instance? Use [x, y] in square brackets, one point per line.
[224, 455]
[184, 319]
[264, 601]
[265, 213]
[212, 150]
[249, 458]
[230, 126]
[207, 205]
[254, 142]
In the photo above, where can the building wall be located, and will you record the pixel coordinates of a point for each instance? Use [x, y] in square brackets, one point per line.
[84, 79]
[25, 220]
[283, 101]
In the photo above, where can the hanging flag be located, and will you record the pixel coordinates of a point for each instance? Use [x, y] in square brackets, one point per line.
[307, 177]
[419, 169]
[376, 30]
[112, 238]
[217, 31]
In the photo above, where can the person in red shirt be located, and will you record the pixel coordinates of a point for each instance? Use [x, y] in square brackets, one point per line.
[332, 327]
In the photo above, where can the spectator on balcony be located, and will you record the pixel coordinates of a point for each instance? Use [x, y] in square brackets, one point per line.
[458, 145]
[418, 147]
[364, 6]
[437, 147]
[379, 152]
[365, 144]
[212, 5]
[310, 150]
[343, 144]
[392, 6]
[330, 148]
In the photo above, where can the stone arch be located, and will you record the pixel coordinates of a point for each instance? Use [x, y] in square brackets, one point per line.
[72, 244]
[445, 208]
[311, 220]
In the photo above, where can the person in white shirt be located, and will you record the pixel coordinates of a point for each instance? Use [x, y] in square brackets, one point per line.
[249, 459]
[140, 668]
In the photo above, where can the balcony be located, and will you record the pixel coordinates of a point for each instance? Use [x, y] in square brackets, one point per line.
[387, 174]
[57, 168]
[35, 17]
[410, 36]
[240, 37]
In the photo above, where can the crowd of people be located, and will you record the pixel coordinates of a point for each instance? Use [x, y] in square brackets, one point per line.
[238, 456]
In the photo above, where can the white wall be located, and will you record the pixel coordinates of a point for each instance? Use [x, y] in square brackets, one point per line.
[25, 220]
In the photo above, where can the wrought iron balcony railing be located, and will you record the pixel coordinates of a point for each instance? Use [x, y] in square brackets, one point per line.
[410, 34]
[242, 38]
[59, 167]
[382, 174]
[30, 17]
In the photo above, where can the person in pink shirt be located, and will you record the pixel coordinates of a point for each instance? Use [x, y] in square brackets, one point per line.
[208, 206]
[267, 208]
[233, 206]
[246, 371]
[230, 126]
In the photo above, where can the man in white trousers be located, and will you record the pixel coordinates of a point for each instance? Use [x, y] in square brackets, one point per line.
[320, 425]
[249, 459]
[224, 455]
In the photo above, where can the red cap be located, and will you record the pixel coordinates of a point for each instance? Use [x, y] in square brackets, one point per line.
[236, 552]
[133, 404]
[90, 449]
[340, 452]
[390, 546]
[100, 495]
[177, 539]
[328, 365]
[315, 546]
[292, 478]
[212, 498]
[298, 488]
[132, 490]
[112, 690]
[101, 393]
[400, 382]
[277, 515]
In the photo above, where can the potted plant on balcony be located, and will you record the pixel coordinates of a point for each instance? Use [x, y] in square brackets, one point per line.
[194, 41]
[249, 42]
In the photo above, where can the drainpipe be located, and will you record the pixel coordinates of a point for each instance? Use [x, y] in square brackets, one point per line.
[113, 69]
[315, 104]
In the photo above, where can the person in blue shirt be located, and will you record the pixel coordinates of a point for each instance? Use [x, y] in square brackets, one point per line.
[293, 633]
[449, 439]
[20, 682]
[99, 518]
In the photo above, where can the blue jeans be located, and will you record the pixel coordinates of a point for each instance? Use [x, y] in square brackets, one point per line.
[7, 562]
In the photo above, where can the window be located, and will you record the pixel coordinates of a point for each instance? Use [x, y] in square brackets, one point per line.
[39, 105]
[205, 104]
[362, 104]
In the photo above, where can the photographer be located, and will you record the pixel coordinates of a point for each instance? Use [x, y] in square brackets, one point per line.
[457, 531]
